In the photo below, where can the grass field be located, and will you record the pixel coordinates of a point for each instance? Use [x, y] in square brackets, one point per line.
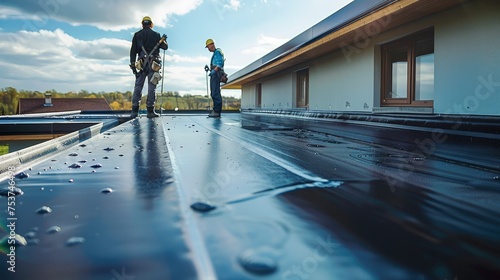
[4, 149]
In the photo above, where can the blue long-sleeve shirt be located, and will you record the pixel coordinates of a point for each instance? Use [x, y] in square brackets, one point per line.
[217, 59]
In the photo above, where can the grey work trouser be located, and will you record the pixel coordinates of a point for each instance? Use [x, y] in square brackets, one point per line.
[140, 78]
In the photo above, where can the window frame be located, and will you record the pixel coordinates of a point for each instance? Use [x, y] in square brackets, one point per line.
[302, 75]
[410, 43]
[258, 97]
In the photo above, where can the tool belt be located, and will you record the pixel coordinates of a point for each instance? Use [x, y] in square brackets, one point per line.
[222, 74]
[155, 78]
[155, 64]
[138, 64]
[212, 67]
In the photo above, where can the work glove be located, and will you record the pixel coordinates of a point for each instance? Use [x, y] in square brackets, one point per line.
[213, 72]
[134, 70]
[164, 37]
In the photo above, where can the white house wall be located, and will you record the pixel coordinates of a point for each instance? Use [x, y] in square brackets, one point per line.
[467, 66]
[248, 96]
[277, 93]
[342, 81]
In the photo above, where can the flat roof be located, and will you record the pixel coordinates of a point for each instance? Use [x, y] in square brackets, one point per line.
[250, 195]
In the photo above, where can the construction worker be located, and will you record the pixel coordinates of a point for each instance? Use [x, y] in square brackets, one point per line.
[216, 71]
[143, 43]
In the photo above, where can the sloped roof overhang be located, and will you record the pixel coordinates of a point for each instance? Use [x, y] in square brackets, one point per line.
[348, 28]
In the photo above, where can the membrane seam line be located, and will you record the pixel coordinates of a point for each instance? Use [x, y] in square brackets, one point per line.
[200, 253]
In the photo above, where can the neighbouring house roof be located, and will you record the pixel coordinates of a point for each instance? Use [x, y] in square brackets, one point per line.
[359, 20]
[37, 105]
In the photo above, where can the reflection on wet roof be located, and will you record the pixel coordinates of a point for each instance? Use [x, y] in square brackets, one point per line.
[250, 196]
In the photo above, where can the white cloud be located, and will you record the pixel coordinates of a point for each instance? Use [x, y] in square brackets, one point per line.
[186, 76]
[183, 59]
[127, 14]
[45, 60]
[57, 60]
[13, 13]
[104, 49]
[233, 5]
[264, 45]
[223, 7]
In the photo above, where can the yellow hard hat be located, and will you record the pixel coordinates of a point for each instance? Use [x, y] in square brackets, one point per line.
[208, 42]
[146, 18]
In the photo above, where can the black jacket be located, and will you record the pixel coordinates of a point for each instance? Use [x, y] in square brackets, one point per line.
[147, 38]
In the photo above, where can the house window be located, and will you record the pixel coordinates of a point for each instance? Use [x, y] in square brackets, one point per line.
[303, 88]
[259, 95]
[408, 71]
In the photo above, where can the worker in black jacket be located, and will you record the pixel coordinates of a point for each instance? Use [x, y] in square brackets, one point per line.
[143, 44]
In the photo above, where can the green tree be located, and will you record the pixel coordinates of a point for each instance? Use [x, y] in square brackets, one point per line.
[115, 105]
[169, 100]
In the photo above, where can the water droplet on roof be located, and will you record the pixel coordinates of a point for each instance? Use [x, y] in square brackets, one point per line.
[53, 229]
[107, 190]
[8, 191]
[30, 235]
[43, 210]
[22, 175]
[202, 207]
[18, 240]
[73, 241]
[75, 165]
[259, 261]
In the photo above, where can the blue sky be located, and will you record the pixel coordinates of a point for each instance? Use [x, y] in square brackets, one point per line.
[73, 45]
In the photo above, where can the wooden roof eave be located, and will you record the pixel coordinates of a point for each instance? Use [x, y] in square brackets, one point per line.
[389, 17]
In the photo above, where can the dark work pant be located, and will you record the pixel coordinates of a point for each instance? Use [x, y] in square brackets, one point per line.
[139, 84]
[215, 92]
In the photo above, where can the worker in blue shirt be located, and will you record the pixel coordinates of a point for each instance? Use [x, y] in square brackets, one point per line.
[216, 71]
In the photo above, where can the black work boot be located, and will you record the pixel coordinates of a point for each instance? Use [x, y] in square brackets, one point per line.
[151, 113]
[214, 114]
[135, 112]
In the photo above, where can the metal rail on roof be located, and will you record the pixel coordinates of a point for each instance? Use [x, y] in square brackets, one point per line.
[40, 115]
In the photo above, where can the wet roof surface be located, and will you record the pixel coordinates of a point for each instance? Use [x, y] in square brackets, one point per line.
[262, 197]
